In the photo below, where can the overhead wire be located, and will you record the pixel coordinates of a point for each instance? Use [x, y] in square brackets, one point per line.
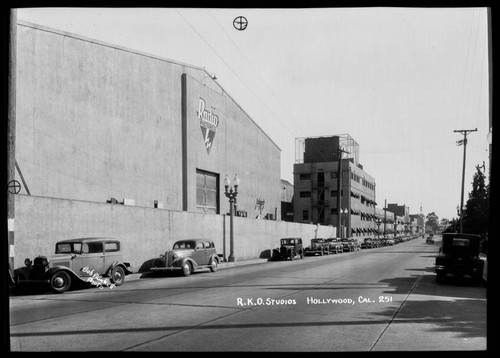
[465, 70]
[253, 68]
[234, 72]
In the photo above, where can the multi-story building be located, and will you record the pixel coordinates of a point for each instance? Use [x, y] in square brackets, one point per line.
[403, 218]
[321, 198]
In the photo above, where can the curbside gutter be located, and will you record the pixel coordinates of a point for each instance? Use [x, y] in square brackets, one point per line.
[222, 266]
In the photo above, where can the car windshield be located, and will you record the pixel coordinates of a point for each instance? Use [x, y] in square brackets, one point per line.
[184, 245]
[69, 248]
[287, 241]
[316, 240]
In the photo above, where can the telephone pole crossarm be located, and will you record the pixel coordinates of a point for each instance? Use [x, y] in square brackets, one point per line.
[464, 132]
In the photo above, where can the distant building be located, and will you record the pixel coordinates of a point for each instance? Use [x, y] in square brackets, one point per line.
[402, 224]
[316, 191]
[417, 222]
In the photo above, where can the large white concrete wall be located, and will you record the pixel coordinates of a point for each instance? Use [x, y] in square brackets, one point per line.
[145, 233]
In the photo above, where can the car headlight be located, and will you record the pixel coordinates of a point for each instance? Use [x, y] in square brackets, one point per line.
[27, 262]
[45, 262]
[175, 255]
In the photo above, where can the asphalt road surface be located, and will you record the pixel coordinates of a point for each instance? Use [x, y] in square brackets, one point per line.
[383, 299]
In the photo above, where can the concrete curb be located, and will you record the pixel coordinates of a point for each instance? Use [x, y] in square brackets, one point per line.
[222, 266]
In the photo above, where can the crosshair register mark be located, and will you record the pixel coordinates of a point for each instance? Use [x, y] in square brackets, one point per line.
[240, 23]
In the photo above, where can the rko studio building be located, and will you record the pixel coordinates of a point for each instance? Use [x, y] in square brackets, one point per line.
[98, 123]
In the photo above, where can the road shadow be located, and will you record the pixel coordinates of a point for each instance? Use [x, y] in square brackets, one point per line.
[32, 289]
[461, 316]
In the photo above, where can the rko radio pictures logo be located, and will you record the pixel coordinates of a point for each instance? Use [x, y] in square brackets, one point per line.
[209, 122]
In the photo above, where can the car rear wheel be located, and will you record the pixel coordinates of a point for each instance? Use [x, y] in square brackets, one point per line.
[186, 269]
[214, 265]
[117, 276]
[60, 281]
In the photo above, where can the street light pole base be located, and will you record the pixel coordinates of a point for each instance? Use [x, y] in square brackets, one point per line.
[230, 259]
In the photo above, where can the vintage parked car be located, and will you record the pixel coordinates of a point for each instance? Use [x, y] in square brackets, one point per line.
[389, 242]
[347, 245]
[430, 239]
[318, 246]
[356, 243]
[290, 247]
[96, 259]
[367, 243]
[334, 245]
[188, 256]
[459, 256]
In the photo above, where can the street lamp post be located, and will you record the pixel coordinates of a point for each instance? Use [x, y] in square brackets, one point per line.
[231, 194]
[343, 212]
[378, 228]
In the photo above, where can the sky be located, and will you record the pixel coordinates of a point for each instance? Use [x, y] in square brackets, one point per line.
[399, 81]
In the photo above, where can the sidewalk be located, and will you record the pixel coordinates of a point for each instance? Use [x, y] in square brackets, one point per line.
[222, 266]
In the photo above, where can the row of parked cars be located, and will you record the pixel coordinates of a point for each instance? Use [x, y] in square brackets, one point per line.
[99, 261]
[292, 247]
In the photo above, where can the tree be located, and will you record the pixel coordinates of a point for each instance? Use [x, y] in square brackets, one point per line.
[432, 222]
[444, 223]
[453, 225]
[476, 214]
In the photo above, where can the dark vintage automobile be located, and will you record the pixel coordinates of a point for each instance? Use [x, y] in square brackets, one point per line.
[188, 256]
[290, 247]
[97, 260]
[367, 243]
[318, 246]
[348, 245]
[356, 244]
[459, 257]
[334, 245]
[430, 239]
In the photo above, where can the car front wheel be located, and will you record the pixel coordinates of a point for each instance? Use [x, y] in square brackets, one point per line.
[117, 276]
[214, 265]
[439, 277]
[60, 282]
[186, 269]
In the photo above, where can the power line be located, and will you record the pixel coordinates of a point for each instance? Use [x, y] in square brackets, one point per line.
[465, 71]
[251, 66]
[234, 72]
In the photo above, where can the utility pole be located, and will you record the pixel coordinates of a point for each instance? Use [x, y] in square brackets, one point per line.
[339, 192]
[464, 142]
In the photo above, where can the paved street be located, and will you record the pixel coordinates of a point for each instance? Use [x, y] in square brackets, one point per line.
[379, 299]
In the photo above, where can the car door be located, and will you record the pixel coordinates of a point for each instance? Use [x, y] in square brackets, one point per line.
[111, 253]
[93, 256]
[199, 254]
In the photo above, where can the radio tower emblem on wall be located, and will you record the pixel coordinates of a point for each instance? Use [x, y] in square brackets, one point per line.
[209, 122]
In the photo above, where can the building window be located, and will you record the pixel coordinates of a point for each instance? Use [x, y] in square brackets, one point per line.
[305, 215]
[333, 175]
[207, 192]
[335, 192]
[306, 176]
[305, 194]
